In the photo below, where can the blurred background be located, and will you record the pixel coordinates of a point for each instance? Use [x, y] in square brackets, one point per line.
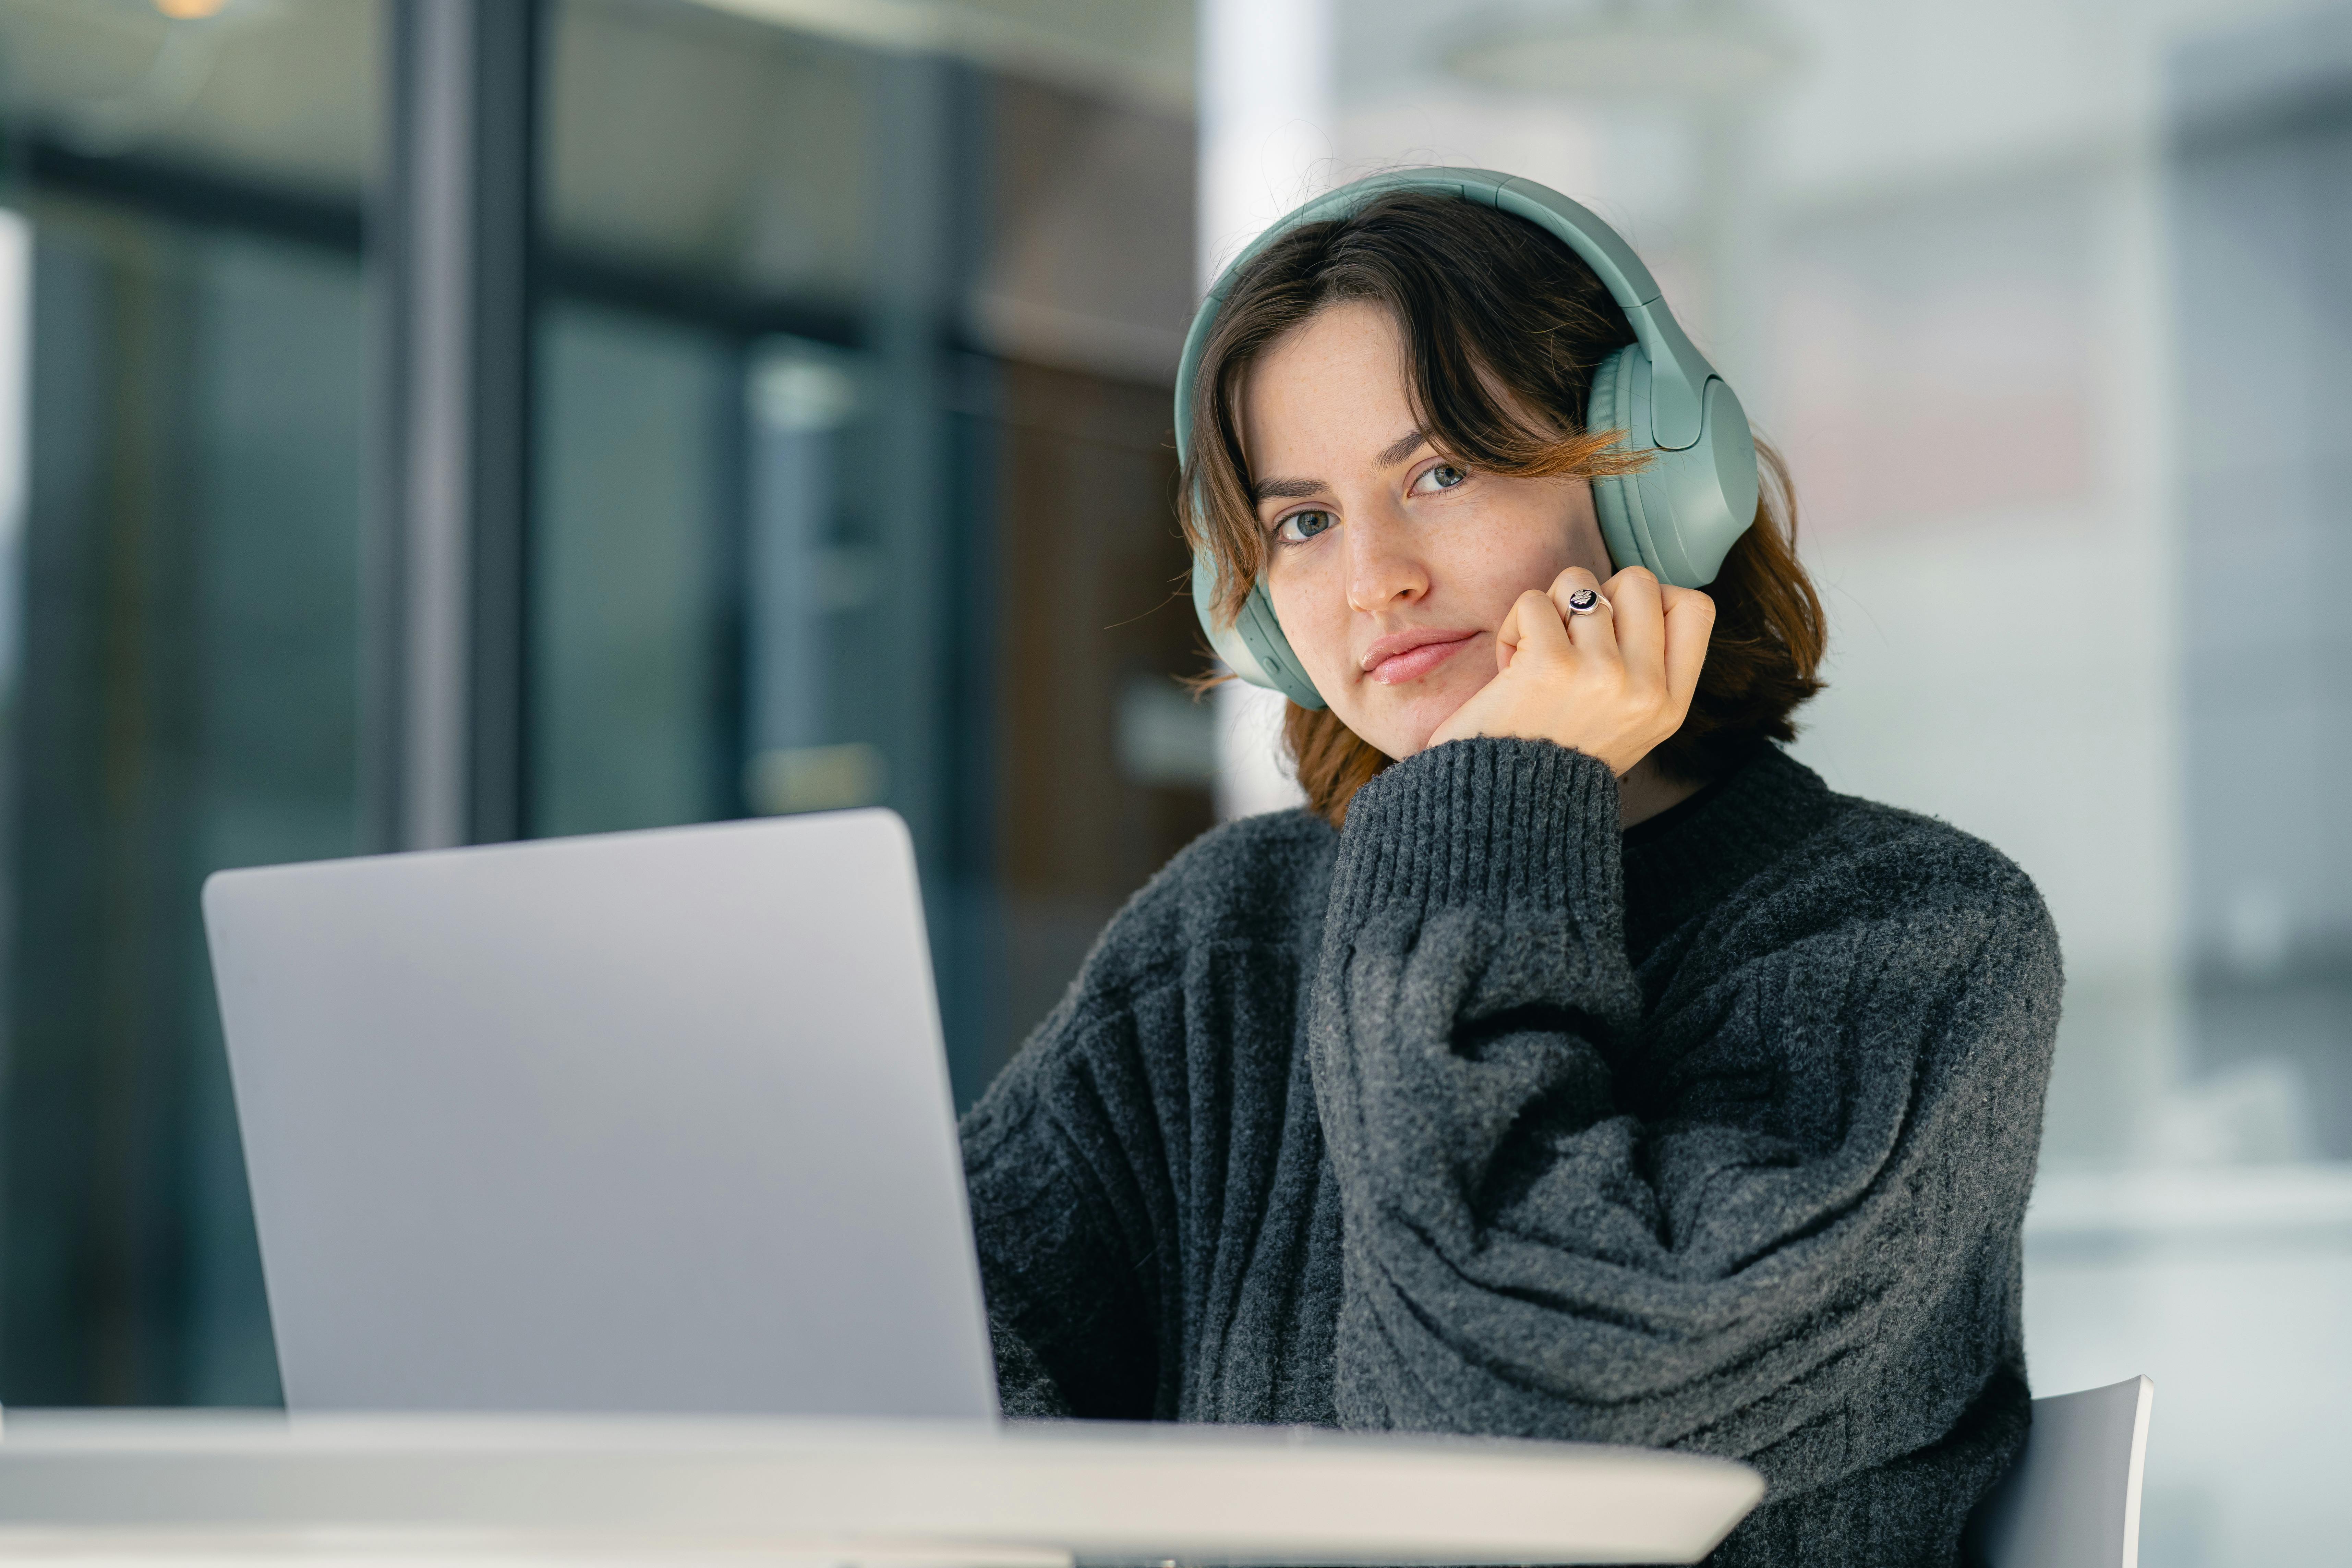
[424, 421]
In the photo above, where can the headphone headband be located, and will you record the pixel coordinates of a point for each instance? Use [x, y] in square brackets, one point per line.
[1674, 400]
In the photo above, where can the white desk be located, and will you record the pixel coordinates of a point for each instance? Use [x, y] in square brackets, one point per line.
[186, 1488]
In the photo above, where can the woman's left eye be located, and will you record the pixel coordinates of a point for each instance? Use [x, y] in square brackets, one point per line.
[1444, 477]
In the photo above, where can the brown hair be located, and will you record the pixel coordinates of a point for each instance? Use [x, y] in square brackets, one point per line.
[1497, 317]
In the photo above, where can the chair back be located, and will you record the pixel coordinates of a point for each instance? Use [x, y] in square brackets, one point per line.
[2071, 1501]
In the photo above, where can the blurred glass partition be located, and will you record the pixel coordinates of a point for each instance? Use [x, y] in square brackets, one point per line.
[1105, 761]
[188, 318]
[854, 485]
[2261, 190]
[804, 566]
[282, 95]
[637, 442]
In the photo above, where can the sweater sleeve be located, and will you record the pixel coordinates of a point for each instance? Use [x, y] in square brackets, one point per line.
[1777, 1219]
[1069, 1311]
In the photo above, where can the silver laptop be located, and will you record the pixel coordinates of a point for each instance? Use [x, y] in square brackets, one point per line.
[648, 1121]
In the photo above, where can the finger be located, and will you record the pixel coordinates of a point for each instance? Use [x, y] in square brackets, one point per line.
[1569, 582]
[1689, 623]
[1640, 623]
[1592, 629]
[1534, 628]
[1507, 639]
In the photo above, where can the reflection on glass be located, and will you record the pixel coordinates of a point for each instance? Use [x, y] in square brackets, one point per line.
[281, 94]
[807, 567]
[185, 700]
[926, 559]
[636, 422]
[2261, 159]
[184, 482]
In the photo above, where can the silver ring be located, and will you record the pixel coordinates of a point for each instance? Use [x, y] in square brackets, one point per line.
[1584, 601]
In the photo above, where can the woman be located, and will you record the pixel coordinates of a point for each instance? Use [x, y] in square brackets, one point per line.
[1576, 1064]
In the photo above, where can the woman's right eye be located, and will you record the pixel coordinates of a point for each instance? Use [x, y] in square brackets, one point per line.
[1301, 526]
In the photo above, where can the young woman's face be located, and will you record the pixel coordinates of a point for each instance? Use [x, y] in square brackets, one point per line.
[1390, 568]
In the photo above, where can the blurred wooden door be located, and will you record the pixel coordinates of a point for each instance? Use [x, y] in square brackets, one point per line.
[1102, 757]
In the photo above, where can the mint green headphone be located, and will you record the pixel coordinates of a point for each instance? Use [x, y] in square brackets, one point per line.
[1678, 515]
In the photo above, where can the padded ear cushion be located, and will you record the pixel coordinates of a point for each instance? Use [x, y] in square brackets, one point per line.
[1601, 401]
[1270, 644]
[1610, 407]
[1253, 645]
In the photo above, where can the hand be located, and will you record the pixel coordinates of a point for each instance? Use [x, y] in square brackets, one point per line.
[1611, 684]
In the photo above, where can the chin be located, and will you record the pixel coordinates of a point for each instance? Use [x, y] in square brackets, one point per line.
[1385, 737]
[1402, 732]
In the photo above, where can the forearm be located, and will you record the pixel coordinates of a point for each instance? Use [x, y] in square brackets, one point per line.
[1472, 971]
[1770, 1219]
[1071, 1326]
[1026, 1388]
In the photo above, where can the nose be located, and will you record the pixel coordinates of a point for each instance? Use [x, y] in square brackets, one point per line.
[1384, 571]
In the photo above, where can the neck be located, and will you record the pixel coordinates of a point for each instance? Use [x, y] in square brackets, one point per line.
[1646, 789]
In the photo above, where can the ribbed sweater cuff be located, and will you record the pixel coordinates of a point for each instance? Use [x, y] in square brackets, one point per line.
[1486, 821]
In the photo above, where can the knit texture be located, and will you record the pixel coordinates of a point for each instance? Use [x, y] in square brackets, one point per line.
[1481, 1117]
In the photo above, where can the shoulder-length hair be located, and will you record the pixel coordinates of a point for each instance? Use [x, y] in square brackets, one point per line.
[1503, 327]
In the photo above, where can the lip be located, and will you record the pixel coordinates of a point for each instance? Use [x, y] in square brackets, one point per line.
[1408, 655]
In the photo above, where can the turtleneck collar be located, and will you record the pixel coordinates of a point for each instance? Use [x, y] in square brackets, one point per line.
[1690, 856]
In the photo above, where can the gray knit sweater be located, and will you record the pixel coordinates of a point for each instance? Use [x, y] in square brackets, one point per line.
[1479, 1117]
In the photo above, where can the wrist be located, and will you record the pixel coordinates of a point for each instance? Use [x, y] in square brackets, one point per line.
[1483, 819]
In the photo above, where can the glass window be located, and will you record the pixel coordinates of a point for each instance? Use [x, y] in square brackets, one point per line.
[186, 318]
[855, 475]
[851, 486]
[638, 431]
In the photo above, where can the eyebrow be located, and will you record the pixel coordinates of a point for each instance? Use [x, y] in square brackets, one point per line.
[1395, 452]
[1403, 446]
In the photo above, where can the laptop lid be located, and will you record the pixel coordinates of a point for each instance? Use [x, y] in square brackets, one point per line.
[643, 1121]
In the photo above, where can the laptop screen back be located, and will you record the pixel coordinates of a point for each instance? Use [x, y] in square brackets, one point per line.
[648, 1121]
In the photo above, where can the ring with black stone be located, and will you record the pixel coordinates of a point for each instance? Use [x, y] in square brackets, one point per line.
[1583, 602]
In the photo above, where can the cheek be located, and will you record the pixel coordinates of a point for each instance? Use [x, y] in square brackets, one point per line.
[1488, 557]
[1310, 600]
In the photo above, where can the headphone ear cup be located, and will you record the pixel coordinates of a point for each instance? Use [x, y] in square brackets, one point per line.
[1252, 646]
[1615, 500]
[1270, 644]
[1681, 511]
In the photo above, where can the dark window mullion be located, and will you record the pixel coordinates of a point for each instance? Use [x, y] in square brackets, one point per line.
[447, 720]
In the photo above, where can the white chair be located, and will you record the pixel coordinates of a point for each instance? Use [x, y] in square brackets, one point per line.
[2071, 1501]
